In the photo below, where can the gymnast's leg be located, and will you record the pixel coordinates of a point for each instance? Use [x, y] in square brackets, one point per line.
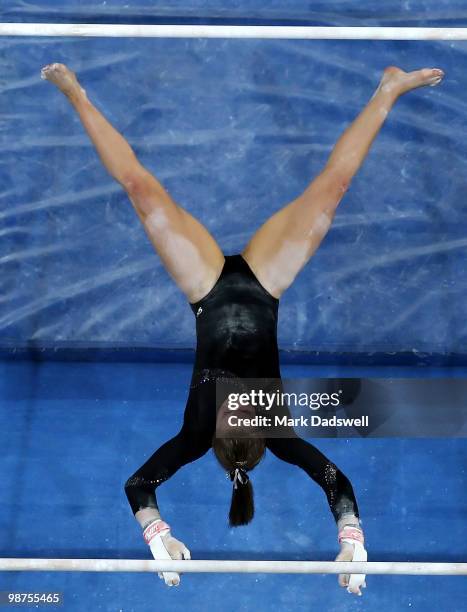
[284, 244]
[190, 254]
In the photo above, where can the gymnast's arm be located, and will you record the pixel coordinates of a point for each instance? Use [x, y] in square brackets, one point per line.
[340, 497]
[334, 483]
[187, 446]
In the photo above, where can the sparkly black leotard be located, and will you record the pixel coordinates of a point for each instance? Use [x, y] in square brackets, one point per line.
[236, 329]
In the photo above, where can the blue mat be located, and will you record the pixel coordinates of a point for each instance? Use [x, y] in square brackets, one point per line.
[71, 434]
[235, 130]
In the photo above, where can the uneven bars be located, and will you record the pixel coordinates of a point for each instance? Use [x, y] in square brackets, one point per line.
[227, 31]
[248, 567]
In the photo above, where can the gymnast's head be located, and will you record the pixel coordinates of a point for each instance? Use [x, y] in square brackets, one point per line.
[238, 445]
[238, 456]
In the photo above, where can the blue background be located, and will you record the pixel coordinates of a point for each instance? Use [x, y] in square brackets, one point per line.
[234, 129]
[71, 434]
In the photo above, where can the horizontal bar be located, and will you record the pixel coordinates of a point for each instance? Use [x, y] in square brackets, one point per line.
[218, 31]
[248, 567]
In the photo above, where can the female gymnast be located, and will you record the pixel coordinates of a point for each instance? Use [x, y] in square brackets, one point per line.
[235, 301]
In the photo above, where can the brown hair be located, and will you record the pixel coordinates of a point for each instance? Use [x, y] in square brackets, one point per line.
[238, 456]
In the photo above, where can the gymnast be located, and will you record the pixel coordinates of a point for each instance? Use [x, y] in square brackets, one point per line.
[235, 302]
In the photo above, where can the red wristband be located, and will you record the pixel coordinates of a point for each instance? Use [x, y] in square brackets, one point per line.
[351, 533]
[155, 528]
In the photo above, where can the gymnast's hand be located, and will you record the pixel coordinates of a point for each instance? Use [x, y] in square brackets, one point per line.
[164, 546]
[352, 545]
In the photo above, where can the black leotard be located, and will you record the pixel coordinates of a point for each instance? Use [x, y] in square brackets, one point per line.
[236, 329]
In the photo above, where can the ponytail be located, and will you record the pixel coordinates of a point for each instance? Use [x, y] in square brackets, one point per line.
[237, 456]
[242, 506]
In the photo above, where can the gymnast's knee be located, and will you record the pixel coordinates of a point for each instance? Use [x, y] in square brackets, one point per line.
[141, 185]
[337, 179]
[329, 188]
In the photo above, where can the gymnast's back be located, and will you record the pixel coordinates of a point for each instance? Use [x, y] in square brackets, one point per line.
[236, 325]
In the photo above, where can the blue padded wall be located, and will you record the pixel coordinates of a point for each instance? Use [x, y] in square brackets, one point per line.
[235, 130]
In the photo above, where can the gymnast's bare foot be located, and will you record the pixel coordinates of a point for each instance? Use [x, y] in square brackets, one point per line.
[398, 82]
[63, 78]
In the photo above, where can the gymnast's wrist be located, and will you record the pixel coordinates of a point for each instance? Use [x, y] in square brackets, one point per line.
[348, 519]
[351, 534]
[155, 528]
